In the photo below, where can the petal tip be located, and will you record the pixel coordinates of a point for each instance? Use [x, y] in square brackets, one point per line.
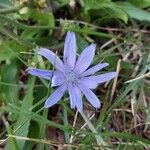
[46, 105]
[106, 64]
[80, 110]
[115, 74]
[40, 50]
[70, 32]
[98, 105]
[93, 45]
[93, 48]
[29, 70]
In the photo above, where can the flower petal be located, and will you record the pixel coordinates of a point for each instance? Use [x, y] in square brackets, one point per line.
[75, 97]
[91, 84]
[58, 79]
[70, 49]
[85, 59]
[56, 96]
[103, 77]
[95, 69]
[46, 74]
[52, 57]
[71, 95]
[91, 97]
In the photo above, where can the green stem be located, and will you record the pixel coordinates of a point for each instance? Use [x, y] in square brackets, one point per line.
[99, 139]
[15, 37]
[42, 130]
[65, 119]
[23, 26]
[11, 9]
[12, 140]
[89, 31]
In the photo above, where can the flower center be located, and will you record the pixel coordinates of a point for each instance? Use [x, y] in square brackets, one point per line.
[71, 76]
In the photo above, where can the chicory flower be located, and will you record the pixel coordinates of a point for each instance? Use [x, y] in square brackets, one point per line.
[72, 74]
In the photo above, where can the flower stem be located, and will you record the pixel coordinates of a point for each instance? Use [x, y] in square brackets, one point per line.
[65, 119]
[99, 138]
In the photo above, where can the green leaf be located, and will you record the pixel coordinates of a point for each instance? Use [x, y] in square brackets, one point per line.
[109, 8]
[38, 118]
[39, 36]
[11, 34]
[9, 75]
[42, 125]
[12, 140]
[98, 137]
[148, 118]
[134, 12]
[81, 43]
[59, 3]
[95, 4]
[140, 3]
[127, 65]
[46, 19]
[129, 137]
[26, 104]
[29, 34]
[16, 48]
[31, 133]
[6, 3]
[115, 12]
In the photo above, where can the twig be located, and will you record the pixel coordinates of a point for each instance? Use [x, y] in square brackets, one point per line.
[107, 43]
[74, 122]
[115, 80]
[138, 78]
[98, 27]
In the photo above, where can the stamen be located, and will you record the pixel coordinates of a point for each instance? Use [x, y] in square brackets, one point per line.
[71, 76]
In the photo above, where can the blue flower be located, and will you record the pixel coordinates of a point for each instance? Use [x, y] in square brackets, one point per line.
[73, 75]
